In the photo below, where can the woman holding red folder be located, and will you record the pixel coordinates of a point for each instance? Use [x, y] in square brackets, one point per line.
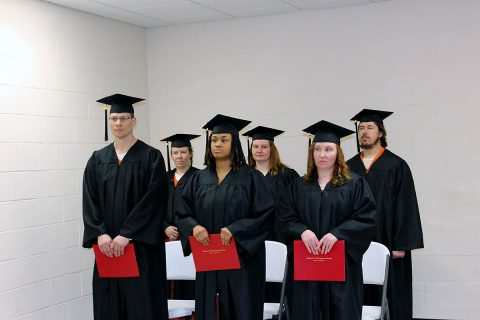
[327, 205]
[231, 199]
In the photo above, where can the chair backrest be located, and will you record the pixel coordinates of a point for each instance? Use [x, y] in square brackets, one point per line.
[375, 263]
[275, 257]
[179, 267]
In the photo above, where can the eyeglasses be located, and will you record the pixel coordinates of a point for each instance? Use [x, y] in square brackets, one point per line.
[122, 119]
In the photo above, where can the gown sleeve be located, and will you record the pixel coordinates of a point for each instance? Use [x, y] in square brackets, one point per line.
[184, 211]
[289, 222]
[171, 192]
[358, 230]
[92, 216]
[251, 232]
[292, 175]
[407, 227]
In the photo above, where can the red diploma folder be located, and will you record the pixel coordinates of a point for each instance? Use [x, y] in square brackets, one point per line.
[322, 267]
[215, 255]
[124, 266]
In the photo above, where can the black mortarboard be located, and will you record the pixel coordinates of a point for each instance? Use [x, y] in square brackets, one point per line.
[181, 140]
[119, 103]
[325, 131]
[263, 133]
[225, 124]
[367, 115]
[178, 140]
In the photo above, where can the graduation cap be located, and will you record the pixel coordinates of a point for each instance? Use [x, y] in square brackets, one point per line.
[325, 131]
[224, 124]
[261, 133]
[178, 140]
[369, 115]
[119, 103]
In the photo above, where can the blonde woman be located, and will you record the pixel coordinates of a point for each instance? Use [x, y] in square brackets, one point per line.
[327, 205]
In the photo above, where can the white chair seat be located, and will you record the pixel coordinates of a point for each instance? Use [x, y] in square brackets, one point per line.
[180, 308]
[275, 266]
[375, 272]
[270, 309]
[371, 312]
[267, 316]
[179, 268]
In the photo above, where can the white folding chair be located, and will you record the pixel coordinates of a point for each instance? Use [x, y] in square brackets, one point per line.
[375, 271]
[179, 267]
[276, 268]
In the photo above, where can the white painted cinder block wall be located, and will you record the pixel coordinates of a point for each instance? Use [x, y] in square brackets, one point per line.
[419, 59]
[54, 63]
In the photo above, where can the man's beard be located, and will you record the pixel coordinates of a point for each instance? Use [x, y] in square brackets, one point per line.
[368, 146]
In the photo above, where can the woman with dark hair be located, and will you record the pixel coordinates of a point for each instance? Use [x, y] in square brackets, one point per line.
[231, 199]
[327, 205]
[181, 153]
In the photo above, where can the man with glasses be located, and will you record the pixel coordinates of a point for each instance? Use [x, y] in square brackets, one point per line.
[125, 194]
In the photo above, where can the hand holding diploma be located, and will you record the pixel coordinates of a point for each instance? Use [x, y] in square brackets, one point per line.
[201, 234]
[326, 243]
[311, 242]
[225, 236]
[104, 241]
[118, 245]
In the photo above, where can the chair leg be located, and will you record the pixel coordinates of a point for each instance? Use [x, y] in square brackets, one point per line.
[287, 311]
[282, 309]
[217, 302]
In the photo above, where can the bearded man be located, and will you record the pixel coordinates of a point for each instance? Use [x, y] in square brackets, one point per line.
[398, 218]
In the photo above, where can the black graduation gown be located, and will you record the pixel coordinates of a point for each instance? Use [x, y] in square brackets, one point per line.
[346, 211]
[178, 289]
[129, 200]
[398, 226]
[278, 184]
[170, 221]
[243, 205]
